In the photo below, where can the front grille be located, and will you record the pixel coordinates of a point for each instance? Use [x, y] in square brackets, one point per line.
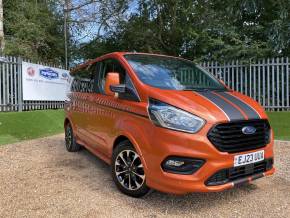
[235, 173]
[228, 137]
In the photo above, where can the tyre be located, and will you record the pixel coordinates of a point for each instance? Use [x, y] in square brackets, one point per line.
[70, 141]
[127, 170]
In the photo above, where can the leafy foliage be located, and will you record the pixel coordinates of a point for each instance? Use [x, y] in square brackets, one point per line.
[33, 29]
[196, 29]
[201, 29]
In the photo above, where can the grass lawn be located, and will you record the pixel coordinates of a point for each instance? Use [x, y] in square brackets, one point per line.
[17, 126]
[280, 122]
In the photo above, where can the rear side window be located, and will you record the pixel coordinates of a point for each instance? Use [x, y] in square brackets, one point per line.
[82, 81]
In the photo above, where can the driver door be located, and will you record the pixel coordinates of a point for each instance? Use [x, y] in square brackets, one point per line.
[104, 108]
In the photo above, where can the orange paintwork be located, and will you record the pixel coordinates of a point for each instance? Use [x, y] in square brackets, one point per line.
[97, 124]
[111, 79]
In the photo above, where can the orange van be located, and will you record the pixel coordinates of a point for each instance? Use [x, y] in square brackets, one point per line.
[165, 123]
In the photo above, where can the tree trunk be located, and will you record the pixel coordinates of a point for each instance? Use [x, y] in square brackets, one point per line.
[66, 5]
[2, 42]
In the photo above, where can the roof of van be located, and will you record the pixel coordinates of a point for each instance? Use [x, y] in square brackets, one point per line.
[91, 61]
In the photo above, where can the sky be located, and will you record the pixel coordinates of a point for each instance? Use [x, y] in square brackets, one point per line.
[90, 30]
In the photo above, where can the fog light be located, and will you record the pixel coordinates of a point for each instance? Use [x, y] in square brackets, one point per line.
[181, 165]
[174, 163]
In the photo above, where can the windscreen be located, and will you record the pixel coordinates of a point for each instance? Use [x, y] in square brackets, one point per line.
[172, 73]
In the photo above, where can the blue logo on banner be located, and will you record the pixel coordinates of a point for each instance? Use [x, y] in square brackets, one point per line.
[64, 75]
[48, 73]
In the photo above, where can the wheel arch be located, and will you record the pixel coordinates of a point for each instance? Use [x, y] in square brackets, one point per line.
[120, 139]
[66, 121]
[124, 137]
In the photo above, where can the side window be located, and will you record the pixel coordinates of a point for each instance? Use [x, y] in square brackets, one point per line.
[95, 71]
[82, 81]
[107, 66]
[131, 92]
[111, 65]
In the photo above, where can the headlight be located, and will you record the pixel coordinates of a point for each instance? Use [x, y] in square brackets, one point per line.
[170, 117]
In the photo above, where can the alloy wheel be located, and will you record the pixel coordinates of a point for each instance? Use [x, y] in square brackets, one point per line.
[129, 170]
[68, 136]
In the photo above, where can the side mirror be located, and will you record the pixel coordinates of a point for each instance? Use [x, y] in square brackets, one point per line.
[118, 88]
[112, 79]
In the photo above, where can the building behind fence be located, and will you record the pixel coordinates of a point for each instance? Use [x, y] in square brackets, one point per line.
[266, 81]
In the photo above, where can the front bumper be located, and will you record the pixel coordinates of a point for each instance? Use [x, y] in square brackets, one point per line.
[166, 143]
[240, 173]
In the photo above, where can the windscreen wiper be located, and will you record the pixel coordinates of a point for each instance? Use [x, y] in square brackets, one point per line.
[204, 89]
[197, 89]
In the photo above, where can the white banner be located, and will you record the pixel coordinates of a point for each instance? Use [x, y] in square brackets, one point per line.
[42, 83]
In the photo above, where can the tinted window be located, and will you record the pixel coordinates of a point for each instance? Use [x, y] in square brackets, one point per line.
[131, 92]
[171, 73]
[95, 70]
[82, 81]
[107, 66]
[112, 65]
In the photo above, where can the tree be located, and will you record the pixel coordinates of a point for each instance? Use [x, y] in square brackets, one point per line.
[202, 29]
[34, 30]
[2, 42]
[88, 19]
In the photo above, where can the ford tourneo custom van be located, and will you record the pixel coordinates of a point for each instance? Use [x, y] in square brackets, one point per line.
[165, 123]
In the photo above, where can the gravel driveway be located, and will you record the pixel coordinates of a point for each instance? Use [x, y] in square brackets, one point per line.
[39, 178]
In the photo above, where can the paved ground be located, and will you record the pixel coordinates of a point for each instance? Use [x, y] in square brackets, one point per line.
[39, 178]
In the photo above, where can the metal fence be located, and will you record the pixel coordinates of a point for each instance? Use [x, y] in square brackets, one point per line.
[267, 81]
[11, 88]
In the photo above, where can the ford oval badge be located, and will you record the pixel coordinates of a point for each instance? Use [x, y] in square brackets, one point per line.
[248, 130]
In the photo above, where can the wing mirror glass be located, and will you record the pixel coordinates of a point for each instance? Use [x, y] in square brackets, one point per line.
[121, 88]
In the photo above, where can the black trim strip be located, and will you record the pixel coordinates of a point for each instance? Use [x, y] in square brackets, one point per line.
[126, 111]
[232, 112]
[130, 112]
[249, 111]
[241, 181]
[247, 179]
[257, 176]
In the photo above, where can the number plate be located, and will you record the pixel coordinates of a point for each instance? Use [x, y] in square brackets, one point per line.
[249, 158]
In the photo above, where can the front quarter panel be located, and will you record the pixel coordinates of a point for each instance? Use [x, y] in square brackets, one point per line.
[134, 129]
